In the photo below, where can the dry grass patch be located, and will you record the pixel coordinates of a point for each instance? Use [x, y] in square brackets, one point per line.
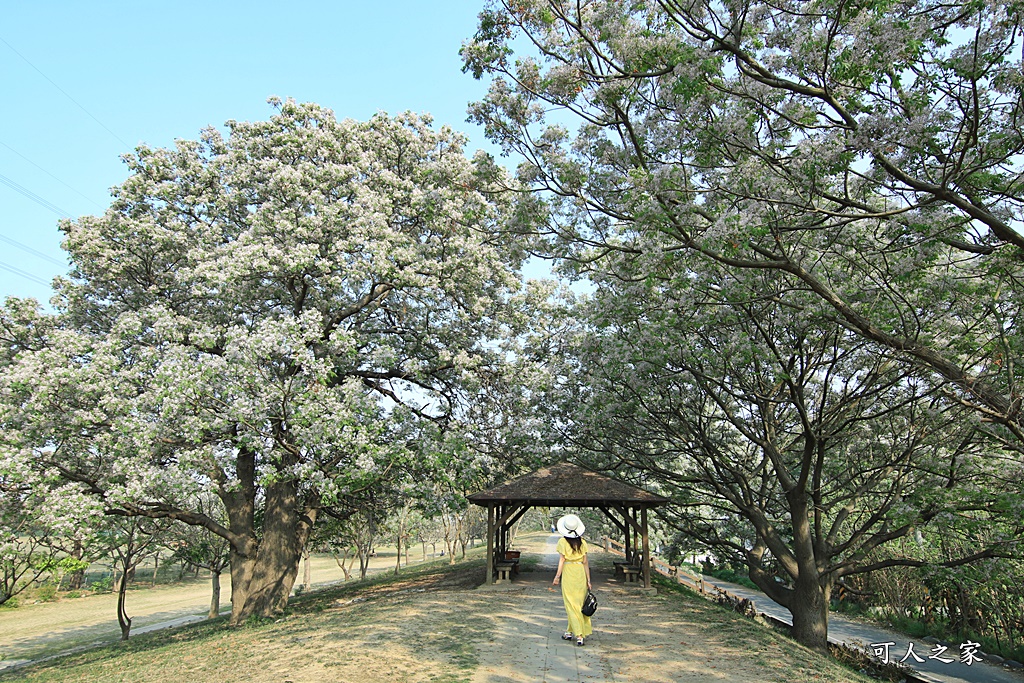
[429, 625]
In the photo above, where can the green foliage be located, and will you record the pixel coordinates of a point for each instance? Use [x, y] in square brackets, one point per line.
[733, 576]
[47, 592]
[103, 584]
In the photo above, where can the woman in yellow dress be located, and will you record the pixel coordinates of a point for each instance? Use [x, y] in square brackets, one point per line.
[574, 574]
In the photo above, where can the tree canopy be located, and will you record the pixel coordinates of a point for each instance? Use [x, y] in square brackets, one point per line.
[864, 152]
[803, 223]
[262, 315]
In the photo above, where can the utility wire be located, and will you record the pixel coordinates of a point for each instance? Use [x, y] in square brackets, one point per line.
[33, 196]
[22, 273]
[25, 247]
[50, 174]
[116, 136]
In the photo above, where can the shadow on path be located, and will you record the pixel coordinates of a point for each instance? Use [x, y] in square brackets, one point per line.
[528, 645]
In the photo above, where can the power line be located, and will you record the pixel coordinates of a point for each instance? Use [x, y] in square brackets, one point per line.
[50, 174]
[25, 247]
[116, 136]
[22, 273]
[33, 196]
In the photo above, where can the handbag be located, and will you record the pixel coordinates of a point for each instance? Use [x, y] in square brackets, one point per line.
[589, 604]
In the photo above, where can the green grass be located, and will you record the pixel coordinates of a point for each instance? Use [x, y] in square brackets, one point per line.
[726, 574]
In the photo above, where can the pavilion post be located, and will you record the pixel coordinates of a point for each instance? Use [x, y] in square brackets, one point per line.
[490, 544]
[636, 533]
[628, 534]
[647, 547]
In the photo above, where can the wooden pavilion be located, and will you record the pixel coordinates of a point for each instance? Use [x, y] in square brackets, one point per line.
[572, 486]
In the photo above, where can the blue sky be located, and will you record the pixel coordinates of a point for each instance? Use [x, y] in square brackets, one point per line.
[84, 82]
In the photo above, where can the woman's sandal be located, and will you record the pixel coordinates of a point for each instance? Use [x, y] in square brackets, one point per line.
[567, 635]
[579, 641]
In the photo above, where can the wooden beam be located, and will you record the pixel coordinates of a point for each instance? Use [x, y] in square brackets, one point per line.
[519, 515]
[490, 543]
[615, 520]
[647, 548]
[628, 517]
[506, 513]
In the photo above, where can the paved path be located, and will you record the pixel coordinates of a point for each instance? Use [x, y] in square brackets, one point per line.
[860, 635]
[533, 645]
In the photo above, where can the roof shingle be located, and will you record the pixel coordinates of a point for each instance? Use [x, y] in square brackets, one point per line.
[567, 485]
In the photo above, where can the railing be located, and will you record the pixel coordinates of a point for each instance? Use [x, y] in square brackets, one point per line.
[611, 545]
[694, 582]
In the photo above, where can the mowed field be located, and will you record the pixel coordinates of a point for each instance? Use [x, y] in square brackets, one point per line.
[32, 631]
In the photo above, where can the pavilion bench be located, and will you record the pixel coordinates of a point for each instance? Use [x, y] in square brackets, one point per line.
[505, 570]
[633, 573]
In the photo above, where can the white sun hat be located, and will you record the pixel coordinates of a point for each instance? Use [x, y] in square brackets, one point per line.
[571, 526]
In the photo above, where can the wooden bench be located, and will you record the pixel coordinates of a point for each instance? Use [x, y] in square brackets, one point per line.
[504, 570]
[632, 573]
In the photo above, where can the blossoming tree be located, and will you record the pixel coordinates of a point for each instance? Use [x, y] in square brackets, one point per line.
[787, 444]
[257, 315]
[863, 157]
[868, 152]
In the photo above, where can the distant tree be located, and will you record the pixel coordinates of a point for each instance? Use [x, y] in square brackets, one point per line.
[25, 554]
[199, 547]
[37, 520]
[130, 540]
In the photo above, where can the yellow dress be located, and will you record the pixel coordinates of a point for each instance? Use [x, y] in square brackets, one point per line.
[574, 587]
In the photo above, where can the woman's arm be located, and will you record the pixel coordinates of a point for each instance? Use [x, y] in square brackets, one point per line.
[586, 565]
[558, 574]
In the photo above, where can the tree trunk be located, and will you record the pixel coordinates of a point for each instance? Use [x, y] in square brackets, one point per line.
[77, 578]
[156, 565]
[398, 550]
[123, 620]
[306, 581]
[809, 608]
[364, 561]
[344, 563]
[215, 594]
[263, 570]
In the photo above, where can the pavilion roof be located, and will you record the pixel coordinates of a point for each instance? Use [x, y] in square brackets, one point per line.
[567, 485]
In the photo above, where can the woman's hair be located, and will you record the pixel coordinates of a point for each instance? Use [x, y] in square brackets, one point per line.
[575, 542]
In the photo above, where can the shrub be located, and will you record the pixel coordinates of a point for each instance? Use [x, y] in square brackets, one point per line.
[47, 592]
[102, 585]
